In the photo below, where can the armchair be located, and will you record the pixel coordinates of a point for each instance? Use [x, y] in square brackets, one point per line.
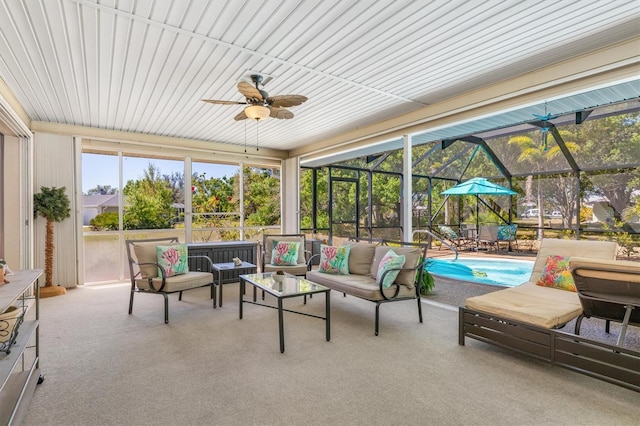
[148, 276]
[271, 263]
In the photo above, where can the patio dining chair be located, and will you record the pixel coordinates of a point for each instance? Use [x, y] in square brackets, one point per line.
[507, 234]
[488, 237]
[452, 237]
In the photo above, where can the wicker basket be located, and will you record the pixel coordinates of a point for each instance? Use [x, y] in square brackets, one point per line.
[8, 321]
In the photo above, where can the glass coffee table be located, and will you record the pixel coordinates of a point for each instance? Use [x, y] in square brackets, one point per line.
[292, 286]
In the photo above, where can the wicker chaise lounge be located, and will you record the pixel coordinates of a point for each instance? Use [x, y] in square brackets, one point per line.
[526, 319]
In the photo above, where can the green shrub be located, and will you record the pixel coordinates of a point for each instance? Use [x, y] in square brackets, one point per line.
[105, 222]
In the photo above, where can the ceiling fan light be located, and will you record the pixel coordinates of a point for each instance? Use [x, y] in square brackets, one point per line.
[257, 112]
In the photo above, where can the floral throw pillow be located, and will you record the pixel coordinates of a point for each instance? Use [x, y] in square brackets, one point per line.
[334, 260]
[556, 273]
[173, 259]
[507, 232]
[285, 253]
[390, 260]
[448, 232]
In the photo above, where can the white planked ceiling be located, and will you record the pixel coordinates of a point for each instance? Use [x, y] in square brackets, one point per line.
[144, 65]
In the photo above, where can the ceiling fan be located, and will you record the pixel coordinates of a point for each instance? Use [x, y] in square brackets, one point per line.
[261, 105]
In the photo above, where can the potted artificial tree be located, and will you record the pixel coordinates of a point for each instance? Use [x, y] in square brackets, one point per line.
[52, 204]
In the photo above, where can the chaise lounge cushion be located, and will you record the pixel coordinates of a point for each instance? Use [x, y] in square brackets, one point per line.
[542, 306]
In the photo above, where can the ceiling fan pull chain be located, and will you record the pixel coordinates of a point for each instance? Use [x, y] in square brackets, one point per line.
[257, 149]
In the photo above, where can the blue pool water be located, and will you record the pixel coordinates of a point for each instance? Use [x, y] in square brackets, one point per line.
[502, 272]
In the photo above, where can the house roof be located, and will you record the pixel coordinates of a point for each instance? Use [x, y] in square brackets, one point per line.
[100, 200]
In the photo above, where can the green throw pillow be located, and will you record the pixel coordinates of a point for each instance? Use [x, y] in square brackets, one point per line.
[557, 274]
[285, 253]
[390, 260]
[334, 260]
[173, 259]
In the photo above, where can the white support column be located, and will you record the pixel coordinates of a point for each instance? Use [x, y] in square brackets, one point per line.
[188, 198]
[407, 190]
[290, 196]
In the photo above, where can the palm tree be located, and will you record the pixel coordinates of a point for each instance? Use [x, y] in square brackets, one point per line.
[538, 155]
[52, 204]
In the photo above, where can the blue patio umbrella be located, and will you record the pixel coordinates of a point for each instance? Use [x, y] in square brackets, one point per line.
[478, 186]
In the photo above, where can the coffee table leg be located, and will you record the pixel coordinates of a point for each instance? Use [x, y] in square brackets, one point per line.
[281, 325]
[241, 291]
[328, 315]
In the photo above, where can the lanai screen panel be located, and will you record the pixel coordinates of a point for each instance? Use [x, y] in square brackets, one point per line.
[531, 151]
[608, 139]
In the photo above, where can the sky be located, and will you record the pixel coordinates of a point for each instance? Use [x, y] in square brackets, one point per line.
[103, 169]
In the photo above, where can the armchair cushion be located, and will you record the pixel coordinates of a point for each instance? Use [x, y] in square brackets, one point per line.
[173, 259]
[271, 240]
[146, 254]
[285, 253]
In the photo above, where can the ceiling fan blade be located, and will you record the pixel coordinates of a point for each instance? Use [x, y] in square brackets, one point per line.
[248, 91]
[286, 100]
[280, 113]
[240, 116]
[214, 101]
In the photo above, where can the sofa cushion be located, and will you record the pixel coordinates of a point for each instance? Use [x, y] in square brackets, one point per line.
[360, 257]
[556, 274]
[285, 253]
[389, 262]
[173, 259]
[412, 257]
[362, 286]
[334, 260]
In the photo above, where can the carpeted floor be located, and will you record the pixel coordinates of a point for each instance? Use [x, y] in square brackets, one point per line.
[207, 367]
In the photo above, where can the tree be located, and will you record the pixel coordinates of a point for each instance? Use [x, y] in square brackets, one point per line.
[52, 204]
[102, 190]
[262, 197]
[541, 156]
[148, 202]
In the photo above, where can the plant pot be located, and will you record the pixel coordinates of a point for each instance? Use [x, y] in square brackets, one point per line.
[278, 278]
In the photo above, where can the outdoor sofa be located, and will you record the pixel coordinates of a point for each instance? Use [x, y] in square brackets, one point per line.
[527, 319]
[365, 277]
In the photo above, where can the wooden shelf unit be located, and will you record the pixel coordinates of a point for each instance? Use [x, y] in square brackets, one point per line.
[19, 369]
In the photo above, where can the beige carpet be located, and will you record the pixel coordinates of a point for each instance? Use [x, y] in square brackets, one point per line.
[207, 367]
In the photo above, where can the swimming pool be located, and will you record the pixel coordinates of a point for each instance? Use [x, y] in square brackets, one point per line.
[501, 272]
